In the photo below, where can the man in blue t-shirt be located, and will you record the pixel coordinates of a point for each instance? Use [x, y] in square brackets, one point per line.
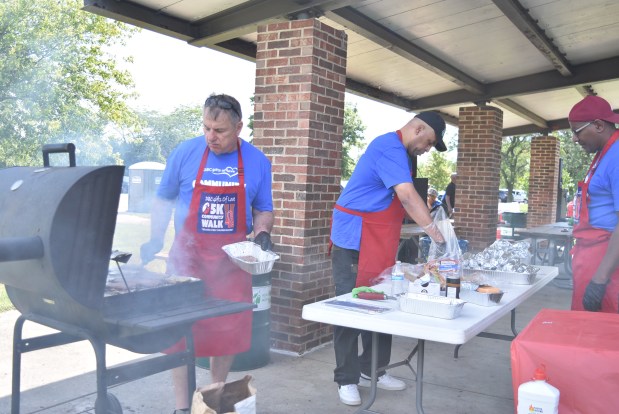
[595, 264]
[219, 187]
[365, 232]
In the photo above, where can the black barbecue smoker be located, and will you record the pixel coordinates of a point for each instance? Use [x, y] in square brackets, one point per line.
[56, 232]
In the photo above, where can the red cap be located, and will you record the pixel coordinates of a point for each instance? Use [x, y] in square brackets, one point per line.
[592, 108]
[539, 373]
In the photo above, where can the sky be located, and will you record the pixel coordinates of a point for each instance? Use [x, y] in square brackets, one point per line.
[168, 73]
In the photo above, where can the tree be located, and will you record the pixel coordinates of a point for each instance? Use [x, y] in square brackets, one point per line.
[352, 139]
[515, 155]
[57, 81]
[437, 169]
[158, 134]
[575, 161]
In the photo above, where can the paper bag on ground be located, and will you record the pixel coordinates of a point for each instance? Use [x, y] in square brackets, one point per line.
[237, 397]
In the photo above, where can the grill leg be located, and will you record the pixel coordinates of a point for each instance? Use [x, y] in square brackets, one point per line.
[99, 348]
[191, 364]
[16, 379]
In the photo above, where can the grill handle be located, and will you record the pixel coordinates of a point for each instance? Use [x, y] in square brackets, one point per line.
[55, 148]
[20, 248]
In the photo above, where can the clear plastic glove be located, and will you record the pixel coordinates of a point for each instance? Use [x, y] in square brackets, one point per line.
[434, 233]
[149, 249]
[592, 300]
[264, 240]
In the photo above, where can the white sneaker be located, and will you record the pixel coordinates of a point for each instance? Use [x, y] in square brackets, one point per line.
[385, 382]
[349, 394]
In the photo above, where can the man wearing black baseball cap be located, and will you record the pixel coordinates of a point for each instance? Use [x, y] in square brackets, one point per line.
[595, 263]
[434, 121]
[365, 233]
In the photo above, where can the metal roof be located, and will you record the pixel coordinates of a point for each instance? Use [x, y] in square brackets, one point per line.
[534, 59]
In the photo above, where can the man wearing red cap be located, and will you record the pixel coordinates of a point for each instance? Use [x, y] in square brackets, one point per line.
[596, 209]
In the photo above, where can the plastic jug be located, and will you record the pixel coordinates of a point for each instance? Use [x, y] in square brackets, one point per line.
[537, 396]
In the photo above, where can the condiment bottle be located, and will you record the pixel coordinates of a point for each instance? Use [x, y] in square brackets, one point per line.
[453, 287]
[450, 268]
[538, 396]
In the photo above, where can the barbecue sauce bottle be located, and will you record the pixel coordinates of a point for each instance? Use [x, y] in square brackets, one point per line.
[453, 287]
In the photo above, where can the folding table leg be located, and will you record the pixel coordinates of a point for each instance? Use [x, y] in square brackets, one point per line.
[374, 367]
[419, 388]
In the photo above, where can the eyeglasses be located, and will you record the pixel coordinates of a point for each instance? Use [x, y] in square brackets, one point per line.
[576, 131]
[221, 102]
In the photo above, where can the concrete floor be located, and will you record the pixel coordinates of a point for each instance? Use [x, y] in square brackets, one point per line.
[61, 380]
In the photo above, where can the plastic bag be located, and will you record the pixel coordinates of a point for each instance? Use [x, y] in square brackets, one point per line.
[411, 272]
[444, 260]
[450, 249]
[238, 397]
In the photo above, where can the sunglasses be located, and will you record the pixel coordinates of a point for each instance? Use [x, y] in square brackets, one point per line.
[576, 131]
[222, 103]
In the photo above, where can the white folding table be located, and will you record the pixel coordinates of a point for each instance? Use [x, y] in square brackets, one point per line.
[472, 321]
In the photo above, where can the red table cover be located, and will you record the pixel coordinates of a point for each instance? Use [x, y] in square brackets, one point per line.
[581, 353]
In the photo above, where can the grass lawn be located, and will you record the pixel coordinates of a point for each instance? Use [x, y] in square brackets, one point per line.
[5, 303]
[132, 230]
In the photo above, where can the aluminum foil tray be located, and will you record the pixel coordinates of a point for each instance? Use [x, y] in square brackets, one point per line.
[250, 257]
[428, 305]
[478, 298]
[494, 277]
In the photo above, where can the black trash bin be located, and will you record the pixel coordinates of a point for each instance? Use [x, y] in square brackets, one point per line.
[258, 354]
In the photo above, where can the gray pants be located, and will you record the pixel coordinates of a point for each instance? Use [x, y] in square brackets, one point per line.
[349, 364]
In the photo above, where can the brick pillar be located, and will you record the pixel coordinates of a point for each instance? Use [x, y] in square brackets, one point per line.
[543, 177]
[298, 123]
[479, 166]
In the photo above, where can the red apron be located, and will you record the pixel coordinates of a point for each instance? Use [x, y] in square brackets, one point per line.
[591, 244]
[380, 236]
[216, 217]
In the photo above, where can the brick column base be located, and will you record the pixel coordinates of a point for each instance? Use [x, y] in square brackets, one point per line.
[298, 123]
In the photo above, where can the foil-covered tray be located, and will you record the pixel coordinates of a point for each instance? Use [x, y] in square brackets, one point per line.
[428, 305]
[494, 277]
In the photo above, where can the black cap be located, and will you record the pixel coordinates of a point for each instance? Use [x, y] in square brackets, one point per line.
[438, 125]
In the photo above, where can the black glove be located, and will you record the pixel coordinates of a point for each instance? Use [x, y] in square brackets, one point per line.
[592, 301]
[264, 240]
[149, 249]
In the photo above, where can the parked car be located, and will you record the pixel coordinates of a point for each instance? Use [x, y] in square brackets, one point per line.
[520, 196]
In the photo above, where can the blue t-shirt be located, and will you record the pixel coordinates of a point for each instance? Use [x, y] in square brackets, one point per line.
[604, 191]
[182, 168]
[384, 165]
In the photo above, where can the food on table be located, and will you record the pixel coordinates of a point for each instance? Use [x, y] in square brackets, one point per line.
[488, 289]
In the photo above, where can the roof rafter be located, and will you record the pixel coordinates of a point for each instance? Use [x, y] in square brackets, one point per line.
[242, 20]
[520, 17]
[358, 22]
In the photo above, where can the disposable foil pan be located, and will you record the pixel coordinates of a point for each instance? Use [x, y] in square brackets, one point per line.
[478, 298]
[428, 305]
[250, 257]
[494, 277]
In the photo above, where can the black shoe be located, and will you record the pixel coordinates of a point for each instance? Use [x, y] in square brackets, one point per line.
[183, 411]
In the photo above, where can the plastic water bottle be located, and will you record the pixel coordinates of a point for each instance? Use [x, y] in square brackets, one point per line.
[538, 396]
[397, 280]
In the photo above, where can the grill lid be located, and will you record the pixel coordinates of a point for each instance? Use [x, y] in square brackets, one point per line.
[57, 228]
